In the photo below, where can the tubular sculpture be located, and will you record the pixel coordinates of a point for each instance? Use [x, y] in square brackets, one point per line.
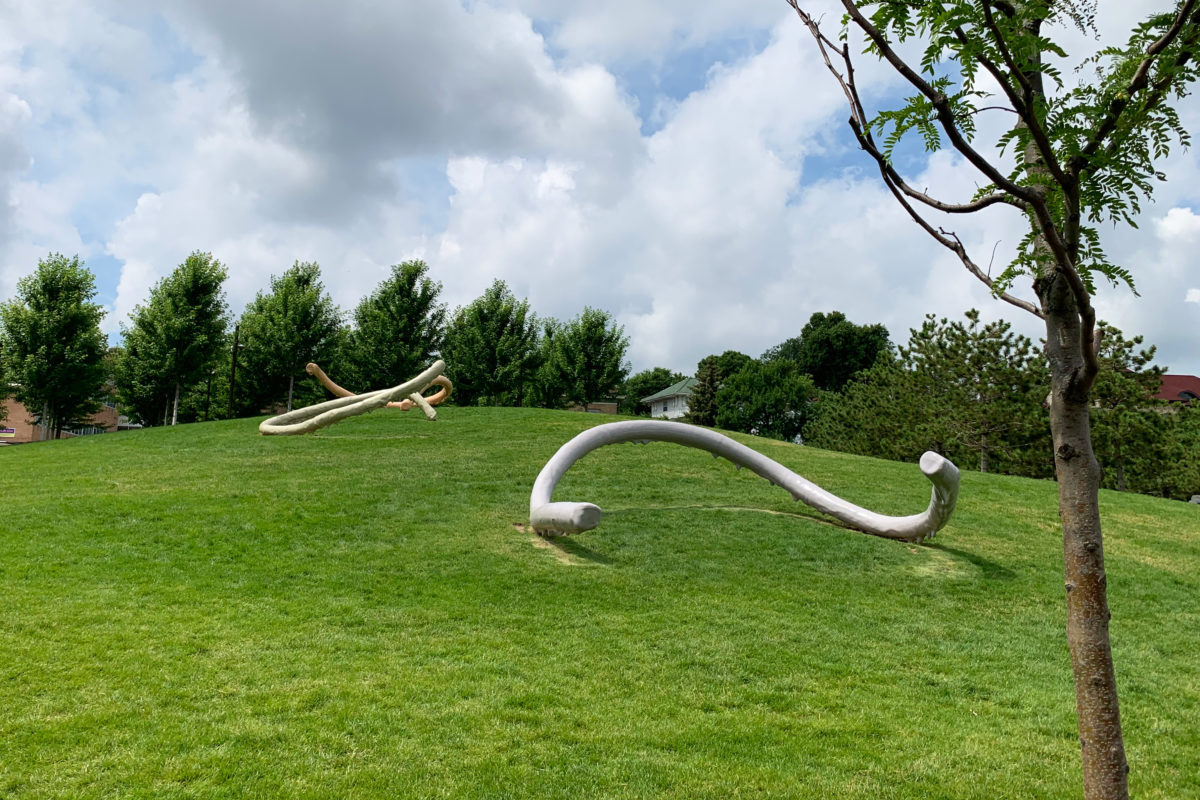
[546, 517]
[404, 405]
[315, 417]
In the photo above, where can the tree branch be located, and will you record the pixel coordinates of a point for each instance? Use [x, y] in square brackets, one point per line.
[1138, 82]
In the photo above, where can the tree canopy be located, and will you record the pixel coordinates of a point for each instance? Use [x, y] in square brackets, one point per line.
[491, 349]
[585, 357]
[831, 348]
[51, 343]
[174, 340]
[398, 330]
[281, 331]
[644, 384]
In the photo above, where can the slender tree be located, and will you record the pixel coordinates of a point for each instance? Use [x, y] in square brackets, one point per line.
[52, 345]
[702, 405]
[491, 349]
[398, 329]
[173, 342]
[1083, 154]
[281, 331]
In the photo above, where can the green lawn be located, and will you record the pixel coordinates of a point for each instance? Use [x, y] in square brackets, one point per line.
[205, 612]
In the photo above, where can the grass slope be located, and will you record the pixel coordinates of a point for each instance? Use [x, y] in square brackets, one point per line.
[204, 612]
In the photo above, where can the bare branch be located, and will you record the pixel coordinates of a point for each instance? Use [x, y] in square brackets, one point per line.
[940, 103]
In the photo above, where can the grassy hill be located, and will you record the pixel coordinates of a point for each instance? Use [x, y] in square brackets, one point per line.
[205, 612]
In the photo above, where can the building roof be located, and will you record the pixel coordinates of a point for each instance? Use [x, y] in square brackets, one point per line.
[684, 387]
[1178, 388]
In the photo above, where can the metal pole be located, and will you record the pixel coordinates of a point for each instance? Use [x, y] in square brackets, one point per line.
[233, 368]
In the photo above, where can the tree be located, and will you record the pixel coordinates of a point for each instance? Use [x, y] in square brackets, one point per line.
[982, 388]
[644, 384]
[283, 330]
[174, 341]
[1081, 155]
[52, 345]
[711, 372]
[397, 331]
[586, 356]
[491, 349]
[878, 413]
[1126, 425]
[831, 348]
[769, 398]
[702, 405]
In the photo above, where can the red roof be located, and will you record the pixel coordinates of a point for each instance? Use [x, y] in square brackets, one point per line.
[1180, 388]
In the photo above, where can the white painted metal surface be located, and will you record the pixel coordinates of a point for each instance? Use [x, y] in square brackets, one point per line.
[565, 517]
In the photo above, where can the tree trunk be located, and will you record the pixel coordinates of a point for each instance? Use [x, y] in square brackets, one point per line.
[45, 421]
[175, 406]
[1105, 769]
[984, 463]
[291, 386]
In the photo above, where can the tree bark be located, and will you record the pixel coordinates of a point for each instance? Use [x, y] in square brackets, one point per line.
[45, 421]
[1105, 770]
[291, 386]
[175, 406]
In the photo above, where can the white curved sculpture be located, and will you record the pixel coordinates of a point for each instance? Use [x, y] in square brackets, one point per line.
[404, 405]
[315, 417]
[547, 517]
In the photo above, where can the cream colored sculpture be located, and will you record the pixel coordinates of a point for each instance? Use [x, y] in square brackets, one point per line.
[315, 417]
[547, 517]
[404, 405]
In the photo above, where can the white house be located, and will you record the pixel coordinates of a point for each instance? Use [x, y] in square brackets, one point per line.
[671, 402]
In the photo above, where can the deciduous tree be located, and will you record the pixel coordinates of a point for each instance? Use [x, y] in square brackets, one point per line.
[769, 398]
[644, 384]
[51, 343]
[491, 349]
[397, 332]
[1081, 154]
[831, 348]
[281, 331]
[174, 340]
[586, 356]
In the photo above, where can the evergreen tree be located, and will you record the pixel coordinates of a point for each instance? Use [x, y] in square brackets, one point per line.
[982, 389]
[281, 331]
[51, 343]
[1127, 427]
[397, 331]
[702, 405]
[491, 349]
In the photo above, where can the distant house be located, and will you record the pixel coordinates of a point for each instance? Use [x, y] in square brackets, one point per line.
[671, 402]
[18, 426]
[1179, 388]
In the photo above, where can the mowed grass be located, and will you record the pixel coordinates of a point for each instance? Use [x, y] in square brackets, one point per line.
[205, 612]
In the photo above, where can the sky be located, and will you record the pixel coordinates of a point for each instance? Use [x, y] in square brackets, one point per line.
[685, 166]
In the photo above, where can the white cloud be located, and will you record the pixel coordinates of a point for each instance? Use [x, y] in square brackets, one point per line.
[269, 132]
[1193, 296]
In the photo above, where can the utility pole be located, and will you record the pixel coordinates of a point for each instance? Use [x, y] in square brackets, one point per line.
[233, 368]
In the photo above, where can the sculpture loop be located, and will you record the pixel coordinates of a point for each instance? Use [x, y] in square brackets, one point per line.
[425, 403]
[565, 517]
[315, 417]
